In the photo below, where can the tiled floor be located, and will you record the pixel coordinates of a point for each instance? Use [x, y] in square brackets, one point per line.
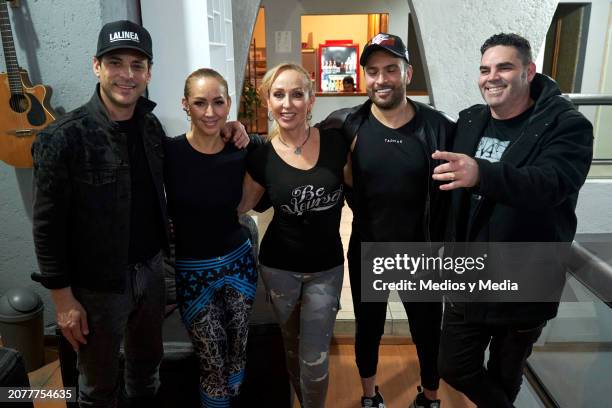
[396, 324]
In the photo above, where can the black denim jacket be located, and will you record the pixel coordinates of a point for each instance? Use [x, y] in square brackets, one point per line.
[82, 196]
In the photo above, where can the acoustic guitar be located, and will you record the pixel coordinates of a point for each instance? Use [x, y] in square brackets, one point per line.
[24, 108]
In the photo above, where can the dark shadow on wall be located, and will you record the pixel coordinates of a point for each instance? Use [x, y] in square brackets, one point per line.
[25, 180]
[25, 35]
[244, 17]
[414, 24]
[418, 84]
[112, 10]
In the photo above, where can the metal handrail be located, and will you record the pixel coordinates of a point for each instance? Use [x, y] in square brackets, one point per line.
[589, 99]
[584, 266]
[594, 273]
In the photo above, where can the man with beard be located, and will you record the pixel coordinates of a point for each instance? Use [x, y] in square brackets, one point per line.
[393, 200]
[517, 165]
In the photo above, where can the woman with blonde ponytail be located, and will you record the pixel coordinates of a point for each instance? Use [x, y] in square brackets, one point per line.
[301, 256]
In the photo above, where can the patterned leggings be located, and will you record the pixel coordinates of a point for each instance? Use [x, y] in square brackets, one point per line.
[215, 297]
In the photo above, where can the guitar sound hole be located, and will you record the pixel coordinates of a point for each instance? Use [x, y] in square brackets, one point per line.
[19, 103]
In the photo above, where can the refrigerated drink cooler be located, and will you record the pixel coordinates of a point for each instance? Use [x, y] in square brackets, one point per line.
[337, 60]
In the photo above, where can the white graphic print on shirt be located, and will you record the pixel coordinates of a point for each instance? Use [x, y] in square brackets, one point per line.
[491, 149]
[306, 198]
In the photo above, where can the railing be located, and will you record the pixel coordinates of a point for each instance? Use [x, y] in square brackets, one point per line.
[592, 100]
[571, 364]
[589, 99]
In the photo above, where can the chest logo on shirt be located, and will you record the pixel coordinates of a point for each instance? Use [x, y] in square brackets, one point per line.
[387, 140]
[491, 149]
[307, 198]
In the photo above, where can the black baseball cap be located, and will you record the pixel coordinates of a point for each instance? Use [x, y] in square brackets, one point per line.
[387, 42]
[124, 34]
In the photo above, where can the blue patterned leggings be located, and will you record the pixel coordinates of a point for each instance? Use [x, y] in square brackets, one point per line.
[215, 297]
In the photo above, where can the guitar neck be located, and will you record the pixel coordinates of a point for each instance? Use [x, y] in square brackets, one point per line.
[10, 55]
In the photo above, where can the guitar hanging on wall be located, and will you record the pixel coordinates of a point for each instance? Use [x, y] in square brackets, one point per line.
[24, 108]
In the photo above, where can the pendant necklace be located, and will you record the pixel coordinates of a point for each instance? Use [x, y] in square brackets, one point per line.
[298, 149]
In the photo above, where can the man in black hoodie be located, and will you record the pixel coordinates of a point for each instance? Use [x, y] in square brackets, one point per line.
[517, 165]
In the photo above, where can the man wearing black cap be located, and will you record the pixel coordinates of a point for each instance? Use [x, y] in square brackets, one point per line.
[100, 222]
[393, 200]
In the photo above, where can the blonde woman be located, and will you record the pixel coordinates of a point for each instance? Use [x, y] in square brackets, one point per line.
[301, 256]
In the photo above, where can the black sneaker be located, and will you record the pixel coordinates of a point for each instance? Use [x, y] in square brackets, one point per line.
[376, 401]
[421, 402]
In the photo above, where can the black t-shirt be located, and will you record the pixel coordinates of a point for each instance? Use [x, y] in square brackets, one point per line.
[146, 231]
[390, 181]
[498, 136]
[304, 233]
[203, 192]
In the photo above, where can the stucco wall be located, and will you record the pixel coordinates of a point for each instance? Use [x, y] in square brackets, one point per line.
[452, 54]
[55, 42]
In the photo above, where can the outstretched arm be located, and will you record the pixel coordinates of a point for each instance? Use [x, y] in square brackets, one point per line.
[558, 171]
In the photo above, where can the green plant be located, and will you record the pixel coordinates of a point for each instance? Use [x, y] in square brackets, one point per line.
[250, 102]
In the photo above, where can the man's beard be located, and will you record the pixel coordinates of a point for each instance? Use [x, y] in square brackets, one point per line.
[393, 102]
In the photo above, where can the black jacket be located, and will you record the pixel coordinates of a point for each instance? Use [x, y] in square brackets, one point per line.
[530, 195]
[434, 130]
[82, 196]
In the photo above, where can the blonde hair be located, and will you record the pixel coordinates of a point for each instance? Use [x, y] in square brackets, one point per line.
[204, 73]
[270, 77]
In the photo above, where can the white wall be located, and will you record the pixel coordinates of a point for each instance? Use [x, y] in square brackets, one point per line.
[452, 54]
[182, 43]
[175, 56]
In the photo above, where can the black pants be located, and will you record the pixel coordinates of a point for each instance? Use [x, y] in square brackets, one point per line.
[424, 319]
[462, 351]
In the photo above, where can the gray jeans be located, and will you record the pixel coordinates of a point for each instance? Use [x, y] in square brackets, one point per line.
[306, 305]
[135, 318]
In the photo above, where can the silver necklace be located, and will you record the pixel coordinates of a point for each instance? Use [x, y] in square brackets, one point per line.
[298, 149]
